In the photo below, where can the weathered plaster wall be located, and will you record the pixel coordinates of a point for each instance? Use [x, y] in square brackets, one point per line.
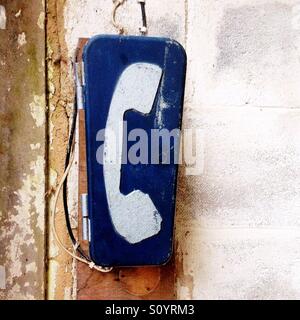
[60, 98]
[237, 232]
[22, 150]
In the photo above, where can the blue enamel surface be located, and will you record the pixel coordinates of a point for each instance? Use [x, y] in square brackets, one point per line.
[106, 57]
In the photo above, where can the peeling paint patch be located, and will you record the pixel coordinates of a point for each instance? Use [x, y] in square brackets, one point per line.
[21, 40]
[68, 294]
[52, 275]
[51, 130]
[53, 177]
[31, 267]
[18, 14]
[74, 276]
[2, 18]
[185, 281]
[22, 185]
[36, 146]
[53, 247]
[29, 209]
[2, 278]
[29, 198]
[38, 168]
[37, 108]
[41, 20]
[184, 292]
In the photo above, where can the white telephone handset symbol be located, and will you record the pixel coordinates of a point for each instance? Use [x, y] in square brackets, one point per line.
[134, 216]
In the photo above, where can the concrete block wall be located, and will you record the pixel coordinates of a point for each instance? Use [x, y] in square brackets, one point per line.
[238, 222]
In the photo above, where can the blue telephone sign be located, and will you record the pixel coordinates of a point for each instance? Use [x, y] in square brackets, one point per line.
[133, 97]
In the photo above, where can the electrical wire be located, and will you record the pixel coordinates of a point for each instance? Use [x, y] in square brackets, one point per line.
[144, 28]
[117, 4]
[121, 30]
[91, 264]
[64, 185]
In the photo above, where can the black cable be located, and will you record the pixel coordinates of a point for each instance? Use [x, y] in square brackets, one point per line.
[144, 17]
[65, 186]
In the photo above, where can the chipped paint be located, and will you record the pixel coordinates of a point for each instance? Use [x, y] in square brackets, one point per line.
[22, 154]
[74, 277]
[35, 146]
[2, 18]
[21, 40]
[185, 282]
[52, 279]
[51, 130]
[53, 177]
[68, 293]
[31, 267]
[37, 108]
[38, 168]
[21, 223]
[18, 14]
[53, 249]
[41, 20]
[2, 278]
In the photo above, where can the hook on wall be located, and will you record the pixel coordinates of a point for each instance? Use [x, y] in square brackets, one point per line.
[121, 30]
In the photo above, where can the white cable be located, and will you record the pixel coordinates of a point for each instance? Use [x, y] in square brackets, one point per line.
[121, 30]
[117, 4]
[92, 265]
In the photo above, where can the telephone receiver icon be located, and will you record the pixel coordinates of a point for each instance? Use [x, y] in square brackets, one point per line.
[134, 216]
